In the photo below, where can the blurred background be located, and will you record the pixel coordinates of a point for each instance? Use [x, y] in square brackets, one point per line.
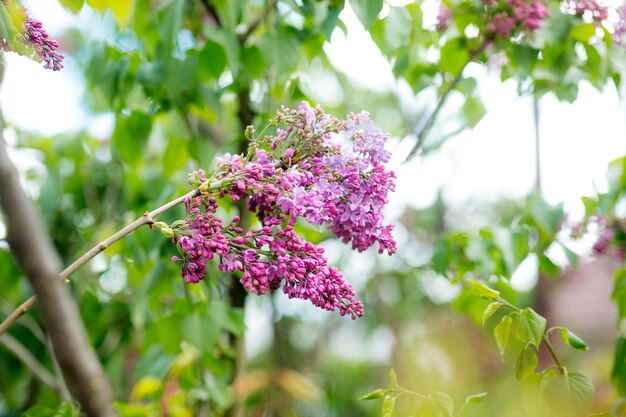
[152, 90]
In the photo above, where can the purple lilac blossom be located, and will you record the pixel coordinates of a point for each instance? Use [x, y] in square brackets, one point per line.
[46, 49]
[34, 41]
[302, 173]
[524, 15]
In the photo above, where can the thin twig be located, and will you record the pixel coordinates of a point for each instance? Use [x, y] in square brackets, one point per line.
[20, 352]
[421, 136]
[147, 218]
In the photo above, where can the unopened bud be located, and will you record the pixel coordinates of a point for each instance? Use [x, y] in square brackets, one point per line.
[167, 231]
[249, 133]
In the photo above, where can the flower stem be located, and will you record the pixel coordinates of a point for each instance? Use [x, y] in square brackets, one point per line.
[558, 363]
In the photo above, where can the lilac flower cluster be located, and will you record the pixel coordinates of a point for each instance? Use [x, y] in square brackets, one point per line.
[315, 167]
[504, 18]
[46, 49]
[507, 18]
[33, 40]
[610, 235]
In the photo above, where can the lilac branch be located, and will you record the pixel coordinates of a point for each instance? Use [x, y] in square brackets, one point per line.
[147, 218]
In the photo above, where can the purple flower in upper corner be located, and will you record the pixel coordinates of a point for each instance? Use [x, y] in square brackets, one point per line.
[36, 36]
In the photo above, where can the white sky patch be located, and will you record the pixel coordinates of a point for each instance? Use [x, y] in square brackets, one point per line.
[526, 275]
[42, 100]
[357, 55]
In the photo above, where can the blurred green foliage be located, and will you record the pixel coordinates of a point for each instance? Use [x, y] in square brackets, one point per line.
[181, 80]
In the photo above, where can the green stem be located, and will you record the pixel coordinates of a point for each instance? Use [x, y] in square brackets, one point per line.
[558, 363]
[544, 337]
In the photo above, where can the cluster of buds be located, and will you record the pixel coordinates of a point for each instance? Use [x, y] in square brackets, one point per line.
[314, 167]
[32, 40]
[45, 49]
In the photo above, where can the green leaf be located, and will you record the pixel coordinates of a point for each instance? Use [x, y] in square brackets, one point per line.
[546, 266]
[228, 41]
[526, 363]
[374, 395]
[438, 404]
[442, 256]
[253, 61]
[7, 28]
[398, 27]
[155, 362]
[212, 61]
[99, 5]
[393, 378]
[73, 6]
[121, 10]
[573, 340]
[619, 292]
[367, 11]
[473, 111]
[175, 156]
[474, 398]
[572, 256]
[212, 102]
[180, 75]
[524, 56]
[490, 310]
[618, 374]
[583, 32]
[281, 50]
[454, 56]
[170, 22]
[502, 331]
[332, 19]
[131, 135]
[481, 289]
[529, 326]
[590, 204]
[571, 391]
[389, 404]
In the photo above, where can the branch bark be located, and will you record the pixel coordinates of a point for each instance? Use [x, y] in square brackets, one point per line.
[34, 252]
